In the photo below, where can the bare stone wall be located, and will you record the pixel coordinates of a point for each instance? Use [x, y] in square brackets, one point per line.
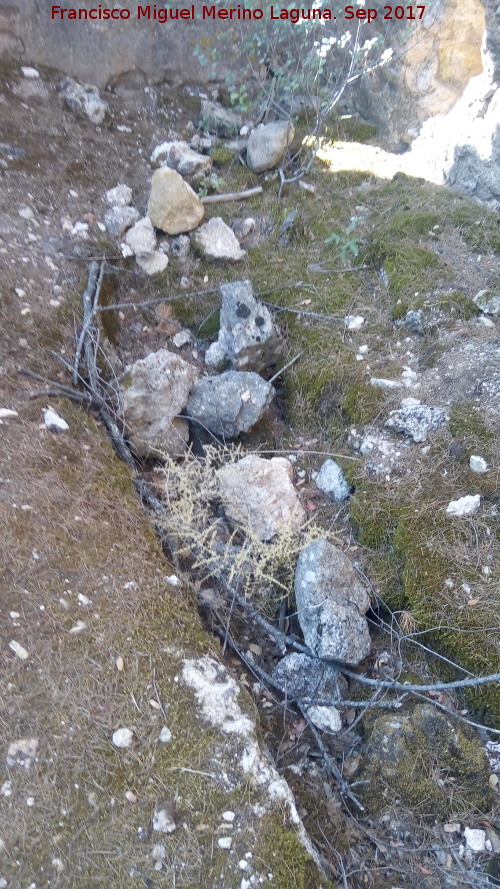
[98, 51]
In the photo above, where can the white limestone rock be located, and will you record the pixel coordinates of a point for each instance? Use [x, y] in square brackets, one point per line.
[217, 242]
[259, 494]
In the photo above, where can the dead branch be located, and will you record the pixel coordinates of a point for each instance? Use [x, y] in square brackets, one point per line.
[90, 298]
[232, 196]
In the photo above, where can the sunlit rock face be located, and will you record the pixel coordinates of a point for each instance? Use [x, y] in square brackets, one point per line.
[439, 97]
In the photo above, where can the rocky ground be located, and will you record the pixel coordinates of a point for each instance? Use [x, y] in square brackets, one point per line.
[138, 749]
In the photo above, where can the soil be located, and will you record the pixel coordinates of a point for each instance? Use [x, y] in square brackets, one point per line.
[84, 588]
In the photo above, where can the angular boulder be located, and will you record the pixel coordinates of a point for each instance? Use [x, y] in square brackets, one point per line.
[267, 145]
[231, 403]
[331, 604]
[330, 479]
[315, 684]
[217, 242]
[154, 390]
[179, 156]
[173, 206]
[218, 120]
[417, 420]
[259, 495]
[248, 337]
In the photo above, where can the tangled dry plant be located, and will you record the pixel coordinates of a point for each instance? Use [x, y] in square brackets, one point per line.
[261, 570]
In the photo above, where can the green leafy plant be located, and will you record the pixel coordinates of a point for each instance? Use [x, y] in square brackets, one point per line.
[211, 184]
[347, 242]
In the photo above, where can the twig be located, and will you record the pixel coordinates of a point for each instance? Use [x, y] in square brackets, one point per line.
[154, 302]
[232, 196]
[322, 317]
[408, 687]
[282, 370]
[89, 300]
[318, 267]
[330, 762]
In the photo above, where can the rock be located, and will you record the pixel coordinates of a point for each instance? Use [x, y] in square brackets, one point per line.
[259, 495]
[354, 322]
[248, 337]
[397, 757]
[164, 818]
[331, 604]
[180, 247]
[22, 752]
[30, 73]
[414, 322]
[179, 156]
[123, 737]
[83, 100]
[464, 505]
[478, 464]
[267, 145]
[218, 120]
[475, 839]
[488, 302]
[231, 403]
[152, 263]
[182, 338]
[53, 421]
[215, 241]
[225, 842]
[417, 420]
[119, 196]
[141, 237]
[300, 676]
[154, 390]
[243, 227]
[330, 479]
[201, 144]
[173, 206]
[118, 219]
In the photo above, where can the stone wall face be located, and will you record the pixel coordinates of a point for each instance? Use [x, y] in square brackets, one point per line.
[99, 51]
[434, 61]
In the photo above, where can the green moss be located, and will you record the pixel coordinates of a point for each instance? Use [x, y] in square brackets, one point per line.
[431, 765]
[408, 269]
[285, 857]
[362, 403]
[459, 305]
[222, 156]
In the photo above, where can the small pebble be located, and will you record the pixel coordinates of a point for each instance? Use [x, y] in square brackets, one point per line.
[123, 737]
[225, 842]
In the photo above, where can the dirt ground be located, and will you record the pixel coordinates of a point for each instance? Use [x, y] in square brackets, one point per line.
[85, 595]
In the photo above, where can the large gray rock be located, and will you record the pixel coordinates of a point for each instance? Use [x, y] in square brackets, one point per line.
[83, 100]
[417, 420]
[215, 241]
[267, 145]
[330, 479]
[154, 390]
[218, 120]
[230, 403]
[331, 604]
[315, 684]
[248, 337]
[179, 156]
[259, 495]
[173, 206]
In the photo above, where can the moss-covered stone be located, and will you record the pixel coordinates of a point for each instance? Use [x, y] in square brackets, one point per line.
[426, 762]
